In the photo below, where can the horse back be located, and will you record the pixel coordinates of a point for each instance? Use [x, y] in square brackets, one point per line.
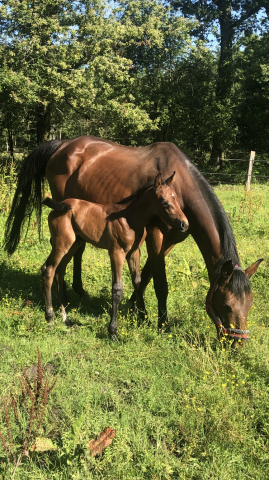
[101, 171]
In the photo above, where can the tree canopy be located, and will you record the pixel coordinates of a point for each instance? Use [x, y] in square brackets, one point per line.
[137, 71]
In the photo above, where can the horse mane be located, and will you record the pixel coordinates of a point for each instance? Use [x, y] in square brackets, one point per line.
[239, 281]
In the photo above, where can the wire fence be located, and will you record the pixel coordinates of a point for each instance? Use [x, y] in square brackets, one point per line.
[242, 176]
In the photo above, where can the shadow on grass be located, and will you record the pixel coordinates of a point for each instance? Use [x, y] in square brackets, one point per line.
[26, 285]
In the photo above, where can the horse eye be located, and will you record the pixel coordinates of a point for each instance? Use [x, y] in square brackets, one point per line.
[227, 307]
[165, 204]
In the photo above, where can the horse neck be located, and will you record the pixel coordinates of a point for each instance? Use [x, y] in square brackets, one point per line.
[205, 226]
[141, 210]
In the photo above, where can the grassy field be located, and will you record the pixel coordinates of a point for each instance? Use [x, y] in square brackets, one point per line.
[183, 405]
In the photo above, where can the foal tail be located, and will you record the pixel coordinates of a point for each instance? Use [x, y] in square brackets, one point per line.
[28, 194]
[58, 206]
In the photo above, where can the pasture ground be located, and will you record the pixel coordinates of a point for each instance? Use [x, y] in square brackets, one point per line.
[184, 406]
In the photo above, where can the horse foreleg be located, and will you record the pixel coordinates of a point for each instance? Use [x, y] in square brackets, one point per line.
[171, 239]
[117, 258]
[134, 268]
[77, 281]
[155, 248]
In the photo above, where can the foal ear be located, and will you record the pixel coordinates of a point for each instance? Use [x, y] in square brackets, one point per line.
[158, 181]
[253, 268]
[227, 270]
[170, 180]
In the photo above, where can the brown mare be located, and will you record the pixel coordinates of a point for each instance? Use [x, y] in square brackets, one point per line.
[101, 171]
[119, 229]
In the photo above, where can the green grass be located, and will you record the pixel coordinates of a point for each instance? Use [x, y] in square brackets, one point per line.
[184, 406]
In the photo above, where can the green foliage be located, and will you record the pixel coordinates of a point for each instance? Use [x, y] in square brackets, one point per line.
[135, 72]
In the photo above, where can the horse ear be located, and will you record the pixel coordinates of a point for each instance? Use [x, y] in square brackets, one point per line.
[227, 270]
[158, 181]
[170, 180]
[253, 268]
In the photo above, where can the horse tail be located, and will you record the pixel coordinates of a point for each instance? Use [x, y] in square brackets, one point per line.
[28, 194]
[58, 206]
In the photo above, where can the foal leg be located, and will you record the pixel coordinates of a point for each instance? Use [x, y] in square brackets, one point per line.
[134, 268]
[59, 276]
[48, 272]
[116, 258]
[77, 282]
[48, 275]
[61, 244]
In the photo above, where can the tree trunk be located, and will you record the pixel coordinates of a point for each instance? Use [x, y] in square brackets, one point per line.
[225, 77]
[43, 122]
[10, 142]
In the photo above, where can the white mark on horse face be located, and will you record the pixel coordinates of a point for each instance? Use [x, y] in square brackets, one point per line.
[172, 195]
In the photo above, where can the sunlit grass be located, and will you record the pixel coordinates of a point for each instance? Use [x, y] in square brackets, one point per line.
[184, 406]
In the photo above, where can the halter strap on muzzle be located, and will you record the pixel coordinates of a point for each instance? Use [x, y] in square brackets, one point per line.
[230, 333]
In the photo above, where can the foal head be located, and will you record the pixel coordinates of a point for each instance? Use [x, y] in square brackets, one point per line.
[229, 300]
[167, 204]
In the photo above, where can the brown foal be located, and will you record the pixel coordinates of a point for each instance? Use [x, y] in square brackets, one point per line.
[118, 228]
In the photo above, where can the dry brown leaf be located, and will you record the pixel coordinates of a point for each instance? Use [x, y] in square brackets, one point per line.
[103, 441]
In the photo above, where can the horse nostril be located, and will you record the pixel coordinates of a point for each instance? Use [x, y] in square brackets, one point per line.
[184, 226]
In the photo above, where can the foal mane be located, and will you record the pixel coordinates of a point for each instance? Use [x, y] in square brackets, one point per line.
[138, 193]
[239, 281]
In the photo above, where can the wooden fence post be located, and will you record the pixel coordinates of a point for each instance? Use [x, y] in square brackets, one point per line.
[250, 165]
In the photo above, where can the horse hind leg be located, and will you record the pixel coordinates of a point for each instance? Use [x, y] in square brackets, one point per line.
[59, 276]
[61, 244]
[77, 281]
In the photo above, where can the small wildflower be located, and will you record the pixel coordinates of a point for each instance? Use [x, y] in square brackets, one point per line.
[224, 385]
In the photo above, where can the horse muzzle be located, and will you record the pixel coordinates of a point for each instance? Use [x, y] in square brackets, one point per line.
[181, 225]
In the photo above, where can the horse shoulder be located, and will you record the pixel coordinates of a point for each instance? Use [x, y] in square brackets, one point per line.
[120, 234]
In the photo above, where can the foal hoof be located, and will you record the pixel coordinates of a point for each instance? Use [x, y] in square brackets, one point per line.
[67, 322]
[113, 337]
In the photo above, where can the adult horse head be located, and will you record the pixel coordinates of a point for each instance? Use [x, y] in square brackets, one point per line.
[229, 300]
[101, 171]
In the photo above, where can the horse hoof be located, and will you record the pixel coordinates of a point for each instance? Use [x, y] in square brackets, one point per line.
[78, 289]
[164, 328]
[113, 337]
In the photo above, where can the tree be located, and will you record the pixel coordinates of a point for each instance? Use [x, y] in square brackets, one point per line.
[59, 61]
[232, 17]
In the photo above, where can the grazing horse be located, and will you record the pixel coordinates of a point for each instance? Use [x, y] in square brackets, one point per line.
[119, 229]
[100, 171]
